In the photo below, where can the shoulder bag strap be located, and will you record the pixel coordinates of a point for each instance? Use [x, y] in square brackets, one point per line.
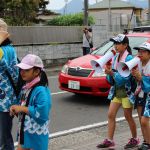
[87, 38]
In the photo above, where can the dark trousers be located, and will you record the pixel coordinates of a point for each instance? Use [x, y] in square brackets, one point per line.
[86, 50]
[6, 140]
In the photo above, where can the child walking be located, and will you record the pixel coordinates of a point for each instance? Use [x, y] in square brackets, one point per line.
[143, 92]
[35, 105]
[120, 94]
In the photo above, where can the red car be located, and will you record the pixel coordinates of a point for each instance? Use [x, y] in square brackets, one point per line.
[77, 75]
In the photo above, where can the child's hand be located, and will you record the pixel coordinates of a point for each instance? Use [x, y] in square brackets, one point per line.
[136, 74]
[108, 70]
[11, 112]
[15, 109]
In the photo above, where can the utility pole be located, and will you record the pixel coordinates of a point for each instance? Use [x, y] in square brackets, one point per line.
[148, 10]
[85, 22]
[109, 15]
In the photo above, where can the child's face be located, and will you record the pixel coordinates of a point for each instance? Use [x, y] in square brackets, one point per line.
[29, 74]
[144, 55]
[119, 47]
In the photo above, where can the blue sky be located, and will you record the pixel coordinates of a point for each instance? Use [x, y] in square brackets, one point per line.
[58, 4]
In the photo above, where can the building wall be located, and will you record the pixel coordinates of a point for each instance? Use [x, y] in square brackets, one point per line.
[118, 16]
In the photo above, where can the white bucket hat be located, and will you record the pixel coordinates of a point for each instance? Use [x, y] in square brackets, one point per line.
[143, 46]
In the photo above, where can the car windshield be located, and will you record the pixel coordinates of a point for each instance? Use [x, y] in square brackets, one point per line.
[133, 41]
[136, 41]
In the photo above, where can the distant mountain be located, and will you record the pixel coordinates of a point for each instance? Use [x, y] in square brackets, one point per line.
[76, 6]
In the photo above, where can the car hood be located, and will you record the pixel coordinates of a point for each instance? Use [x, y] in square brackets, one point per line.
[83, 61]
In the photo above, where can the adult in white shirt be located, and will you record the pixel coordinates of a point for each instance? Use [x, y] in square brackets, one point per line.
[87, 39]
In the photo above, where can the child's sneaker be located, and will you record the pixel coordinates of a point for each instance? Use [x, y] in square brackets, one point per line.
[106, 144]
[133, 142]
[144, 146]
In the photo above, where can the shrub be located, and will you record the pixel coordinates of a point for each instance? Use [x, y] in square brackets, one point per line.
[70, 20]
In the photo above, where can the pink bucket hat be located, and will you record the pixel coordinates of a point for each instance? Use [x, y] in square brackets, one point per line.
[30, 61]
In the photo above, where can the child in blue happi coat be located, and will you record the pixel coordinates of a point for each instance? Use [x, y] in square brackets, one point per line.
[35, 105]
[121, 94]
[143, 92]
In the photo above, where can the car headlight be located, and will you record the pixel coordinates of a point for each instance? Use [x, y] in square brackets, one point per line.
[64, 69]
[97, 74]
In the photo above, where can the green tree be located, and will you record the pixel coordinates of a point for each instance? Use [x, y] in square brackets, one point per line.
[21, 12]
[70, 20]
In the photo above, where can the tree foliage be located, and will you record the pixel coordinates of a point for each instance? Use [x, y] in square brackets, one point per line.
[70, 20]
[21, 12]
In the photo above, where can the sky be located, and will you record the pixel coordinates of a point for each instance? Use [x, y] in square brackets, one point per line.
[58, 4]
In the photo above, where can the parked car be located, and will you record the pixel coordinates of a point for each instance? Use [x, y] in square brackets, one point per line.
[77, 75]
[141, 29]
[137, 29]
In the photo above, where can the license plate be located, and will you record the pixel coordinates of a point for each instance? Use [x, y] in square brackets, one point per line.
[74, 85]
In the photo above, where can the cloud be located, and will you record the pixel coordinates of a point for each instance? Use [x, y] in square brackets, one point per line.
[58, 4]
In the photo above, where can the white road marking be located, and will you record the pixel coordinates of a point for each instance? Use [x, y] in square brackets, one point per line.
[59, 93]
[49, 77]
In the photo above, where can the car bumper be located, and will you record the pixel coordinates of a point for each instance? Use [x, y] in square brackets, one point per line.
[92, 86]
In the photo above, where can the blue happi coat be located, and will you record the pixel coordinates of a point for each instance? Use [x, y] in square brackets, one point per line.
[118, 80]
[8, 62]
[145, 85]
[36, 125]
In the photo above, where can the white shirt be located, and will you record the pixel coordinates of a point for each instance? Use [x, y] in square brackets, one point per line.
[85, 41]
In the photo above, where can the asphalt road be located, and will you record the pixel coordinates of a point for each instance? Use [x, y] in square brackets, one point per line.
[70, 111]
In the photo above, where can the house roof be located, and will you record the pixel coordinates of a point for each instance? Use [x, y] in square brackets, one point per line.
[113, 4]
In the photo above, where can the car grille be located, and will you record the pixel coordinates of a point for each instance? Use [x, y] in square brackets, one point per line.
[80, 72]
